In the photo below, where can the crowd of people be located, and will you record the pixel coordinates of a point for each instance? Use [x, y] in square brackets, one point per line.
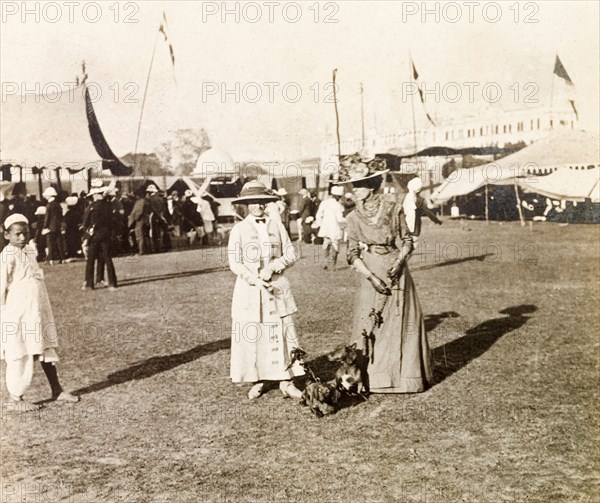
[139, 223]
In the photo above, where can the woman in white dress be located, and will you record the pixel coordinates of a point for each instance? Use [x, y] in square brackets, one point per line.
[263, 329]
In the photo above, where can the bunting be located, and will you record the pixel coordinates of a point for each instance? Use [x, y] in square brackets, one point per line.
[572, 102]
[421, 95]
[163, 29]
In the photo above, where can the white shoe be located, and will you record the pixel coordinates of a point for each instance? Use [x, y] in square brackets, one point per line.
[256, 390]
[289, 390]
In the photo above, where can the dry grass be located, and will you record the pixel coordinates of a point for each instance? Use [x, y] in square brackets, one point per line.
[512, 417]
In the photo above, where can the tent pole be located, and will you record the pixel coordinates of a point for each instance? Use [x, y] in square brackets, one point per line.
[551, 125]
[487, 212]
[519, 205]
[21, 174]
[58, 180]
[40, 182]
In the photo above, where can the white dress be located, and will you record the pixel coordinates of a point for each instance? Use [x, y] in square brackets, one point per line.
[263, 328]
[27, 322]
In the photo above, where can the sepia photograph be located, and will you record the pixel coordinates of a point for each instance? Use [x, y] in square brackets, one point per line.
[299, 251]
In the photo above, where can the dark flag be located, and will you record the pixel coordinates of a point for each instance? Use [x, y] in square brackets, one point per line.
[414, 69]
[559, 70]
[109, 159]
[416, 76]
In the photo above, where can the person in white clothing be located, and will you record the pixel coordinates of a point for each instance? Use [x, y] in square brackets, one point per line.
[331, 222]
[263, 329]
[27, 325]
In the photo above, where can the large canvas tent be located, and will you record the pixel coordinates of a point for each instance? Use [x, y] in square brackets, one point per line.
[565, 156]
[53, 130]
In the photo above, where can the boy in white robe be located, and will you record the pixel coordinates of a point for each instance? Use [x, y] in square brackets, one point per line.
[27, 323]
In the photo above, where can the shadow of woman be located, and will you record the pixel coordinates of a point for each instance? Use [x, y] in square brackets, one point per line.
[433, 320]
[454, 355]
[155, 365]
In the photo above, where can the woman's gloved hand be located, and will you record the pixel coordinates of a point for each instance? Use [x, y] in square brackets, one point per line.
[379, 285]
[266, 273]
[394, 271]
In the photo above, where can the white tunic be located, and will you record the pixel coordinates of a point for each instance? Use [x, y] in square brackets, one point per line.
[330, 219]
[27, 322]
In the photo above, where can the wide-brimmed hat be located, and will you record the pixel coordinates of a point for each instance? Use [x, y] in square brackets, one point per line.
[254, 191]
[97, 191]
[357, 167]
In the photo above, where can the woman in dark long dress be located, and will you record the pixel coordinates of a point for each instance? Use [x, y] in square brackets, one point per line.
[388, 321]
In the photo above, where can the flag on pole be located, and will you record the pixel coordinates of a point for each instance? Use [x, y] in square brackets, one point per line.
[559, 70]
[415, 73]
[163, 29]
[421, 95]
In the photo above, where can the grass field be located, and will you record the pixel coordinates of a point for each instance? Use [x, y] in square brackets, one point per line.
[512, 417]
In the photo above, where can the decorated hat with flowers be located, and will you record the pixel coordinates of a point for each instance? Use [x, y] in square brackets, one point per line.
[360, 166]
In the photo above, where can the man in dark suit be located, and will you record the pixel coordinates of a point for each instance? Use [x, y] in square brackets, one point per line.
[52, 226]
[97, 225]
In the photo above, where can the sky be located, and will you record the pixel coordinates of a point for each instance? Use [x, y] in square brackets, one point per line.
[257, 75]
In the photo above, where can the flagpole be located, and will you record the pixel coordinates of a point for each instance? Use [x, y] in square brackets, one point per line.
[137, 138]
[337, 116]
[552, 95]
[362, 113]
[412, 102]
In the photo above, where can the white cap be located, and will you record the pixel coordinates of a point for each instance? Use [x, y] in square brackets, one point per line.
[96, 182]
[71, 200]
[188, 193]
[49, 192]
[282, 192]
[40, 210]
[16, 218]
[337, 190]
[151, 188]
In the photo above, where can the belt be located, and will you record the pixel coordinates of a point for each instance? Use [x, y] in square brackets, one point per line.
[381, 249]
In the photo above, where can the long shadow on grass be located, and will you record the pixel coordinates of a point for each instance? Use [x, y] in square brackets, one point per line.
[173, 275]
[453, 261]
[155, 365]
[454, 355]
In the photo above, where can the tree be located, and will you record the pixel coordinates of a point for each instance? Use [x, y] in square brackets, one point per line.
[179, 153]
[149, 164]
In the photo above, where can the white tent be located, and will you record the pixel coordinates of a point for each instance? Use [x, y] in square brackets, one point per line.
[569, 183]
[46, 130]
[559, 152]
[214, 162]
